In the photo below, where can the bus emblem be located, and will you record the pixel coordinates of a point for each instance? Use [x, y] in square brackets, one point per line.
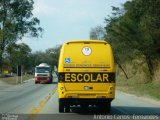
[86, 51]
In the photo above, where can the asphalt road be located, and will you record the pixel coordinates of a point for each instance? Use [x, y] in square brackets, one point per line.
[31, 101]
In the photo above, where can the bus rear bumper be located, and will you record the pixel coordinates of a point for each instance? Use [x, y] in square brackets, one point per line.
[87, 101]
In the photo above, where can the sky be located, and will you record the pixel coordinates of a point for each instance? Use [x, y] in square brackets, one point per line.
[64, 20]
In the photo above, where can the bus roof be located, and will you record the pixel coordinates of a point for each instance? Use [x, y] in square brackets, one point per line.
[86, 41]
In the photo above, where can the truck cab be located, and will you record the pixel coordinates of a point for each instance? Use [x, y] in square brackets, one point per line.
[43, 73]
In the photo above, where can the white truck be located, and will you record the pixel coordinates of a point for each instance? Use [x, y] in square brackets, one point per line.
[43, 73]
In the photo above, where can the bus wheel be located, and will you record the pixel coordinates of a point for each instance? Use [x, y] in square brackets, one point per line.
[108, 107]
[84, 106]
[105, 108]
[61, 106]
[67, 108]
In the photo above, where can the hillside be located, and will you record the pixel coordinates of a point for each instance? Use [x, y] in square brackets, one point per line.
[140, 81]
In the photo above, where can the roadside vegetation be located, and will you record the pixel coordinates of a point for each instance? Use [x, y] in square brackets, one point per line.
[17, 22]
[134, 33]
[14, 80]
[149, 90]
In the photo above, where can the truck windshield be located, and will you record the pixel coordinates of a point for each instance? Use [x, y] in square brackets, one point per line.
[42, 70]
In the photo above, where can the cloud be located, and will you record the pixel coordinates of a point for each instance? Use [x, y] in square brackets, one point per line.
[70, 11]
[43, 8]
[68, 19]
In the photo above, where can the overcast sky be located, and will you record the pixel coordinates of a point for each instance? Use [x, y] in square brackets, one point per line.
[64, 20]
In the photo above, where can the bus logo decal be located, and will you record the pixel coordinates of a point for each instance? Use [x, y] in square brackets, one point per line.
[67, 60]
[86, 51]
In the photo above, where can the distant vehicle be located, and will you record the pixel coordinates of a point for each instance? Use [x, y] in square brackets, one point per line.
[43, 73]
[86, 75]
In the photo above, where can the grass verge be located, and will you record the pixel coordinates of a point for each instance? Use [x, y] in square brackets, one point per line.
[150, 89]
[15, 80]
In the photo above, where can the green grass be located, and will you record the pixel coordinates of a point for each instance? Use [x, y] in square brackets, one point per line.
[133, 86]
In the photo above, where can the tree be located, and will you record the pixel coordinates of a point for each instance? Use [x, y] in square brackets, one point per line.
[135, 30]
[50, 56]
[53, 54]
[97, 33]
[16, 20]
[18, 54]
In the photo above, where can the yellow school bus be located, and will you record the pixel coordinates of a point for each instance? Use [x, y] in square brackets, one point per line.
[86, 75]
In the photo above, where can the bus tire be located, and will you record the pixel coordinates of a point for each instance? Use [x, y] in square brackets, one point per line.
[108, 107]
[61, 106]
[105, 108]
[67, 108]
[84, 106]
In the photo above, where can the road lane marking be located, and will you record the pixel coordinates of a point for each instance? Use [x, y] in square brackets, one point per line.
[35, 110]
